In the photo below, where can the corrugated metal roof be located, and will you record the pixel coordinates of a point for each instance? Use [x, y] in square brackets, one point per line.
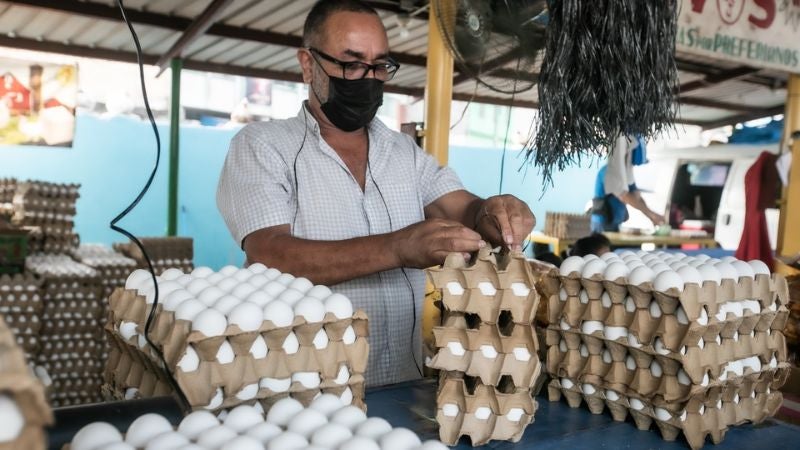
[246, 40]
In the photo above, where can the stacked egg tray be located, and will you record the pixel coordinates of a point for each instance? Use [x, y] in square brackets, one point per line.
[112, 267]
[23, 405]
[567, 225]
[164, 252]
[486, 348]
[325, 423]
[692, 344]
[50, 209]
[236, 336]
[71, 341]
[21, 305]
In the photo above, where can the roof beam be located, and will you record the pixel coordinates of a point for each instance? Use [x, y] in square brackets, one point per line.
[704, 69]
[753, 115]
[197, 28]
[727, 106]
[712, 79]
[488, 66]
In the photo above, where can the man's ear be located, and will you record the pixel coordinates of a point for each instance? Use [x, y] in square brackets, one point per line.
[306, 64]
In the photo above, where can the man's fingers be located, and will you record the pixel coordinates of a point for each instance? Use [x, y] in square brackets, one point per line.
[503, 224]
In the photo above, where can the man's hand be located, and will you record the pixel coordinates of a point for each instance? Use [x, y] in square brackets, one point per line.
[428, 243]
[656, 218]
[505, 220]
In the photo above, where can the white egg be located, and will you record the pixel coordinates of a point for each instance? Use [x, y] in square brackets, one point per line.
[667, 280]
[327, 404]
[373, 428]
[137, 279]
[257, 268]
[309, 380]
[196, 423]
[197, 286]
[331, 435]
[229, 270]
[609, 256]
[347, 396]
[189, 309]
[675, 265]
[216, 400]
[243, 417]
[710, 273]
[615, 270]
[125, 446]
[588, 389]
[291, 345]
[215, 278]
[319, 292]
[243, 443]
[590, 257]
[662, 414]
[164, 289]
[264, 432]
[301, 284]
[321, 340]
[225, 354]
[242, 275]
[306, 422]
[349, 335]
[521, 354]
[259, 298]
[258, 281]
[168, 440]
[343, 376]
[93, 436]
[743, 269]
[202, 272]
[571, 265]
[210, 295]
[690, 275]
[450, 410]
[226, 304]
[660, 267]
[145, 428]
[287, 441]
[593, 267]
[488, 351]
[127, 330]
[590, 326]
[311, 309]
[614, 333]
[339, 305]
[172, 300]
[640, 275]
[279, 313]
[636, 404]
[758, 266]
[291, 296]
[275, 384]
[259, 348]
[285, 279]
[216, 437]
[12, 419]
[400, 439]
[349, 416]
[228, 284]
[566, 383]
[359, 443]
[680, 315]
[455, 348]
[659, 347]
[727, 271]
[210, 322]
[274, 288]
[247, 316]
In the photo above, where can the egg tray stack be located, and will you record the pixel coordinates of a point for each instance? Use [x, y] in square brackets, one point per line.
[165, 253]
[566, 225]
[695, 347]
[487, 348]
[7, 188]
[71, 341]
[21, 305]
[50, 208]
[792, 330]
[248, 358]
[325, 423]
[112, 267]
[23, 404]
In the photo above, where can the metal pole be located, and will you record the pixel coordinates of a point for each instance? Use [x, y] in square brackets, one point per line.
[789, 229]
[174, 132]
[438, 88]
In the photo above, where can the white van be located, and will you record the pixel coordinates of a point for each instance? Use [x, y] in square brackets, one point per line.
[704, 185]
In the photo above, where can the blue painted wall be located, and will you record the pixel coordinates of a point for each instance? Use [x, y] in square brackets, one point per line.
[111, 158]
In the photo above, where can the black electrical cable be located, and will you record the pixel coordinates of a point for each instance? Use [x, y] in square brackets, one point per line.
[505, 139]
[151, 316]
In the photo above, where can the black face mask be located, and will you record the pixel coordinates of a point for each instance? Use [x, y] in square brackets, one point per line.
[352, 104]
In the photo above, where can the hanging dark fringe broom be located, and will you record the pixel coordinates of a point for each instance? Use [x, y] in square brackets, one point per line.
[609, 68]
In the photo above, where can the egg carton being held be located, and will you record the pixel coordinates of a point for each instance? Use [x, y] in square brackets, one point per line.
[487, 351]
[253, 321]
[708, 413]
[466, 407]
[673, 376]
[491, 284]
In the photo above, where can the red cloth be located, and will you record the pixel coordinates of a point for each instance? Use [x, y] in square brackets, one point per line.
[760, 188]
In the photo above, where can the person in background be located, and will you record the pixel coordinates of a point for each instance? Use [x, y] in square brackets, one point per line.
[596, 244]
[615, 187]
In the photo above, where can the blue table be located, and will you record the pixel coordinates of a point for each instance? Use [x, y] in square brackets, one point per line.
[557, 426]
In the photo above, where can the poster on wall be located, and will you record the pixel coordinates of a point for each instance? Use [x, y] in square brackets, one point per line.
[37, 103]
[755, 33]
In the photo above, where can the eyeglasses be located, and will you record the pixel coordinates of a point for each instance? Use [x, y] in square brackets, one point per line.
[356, 70]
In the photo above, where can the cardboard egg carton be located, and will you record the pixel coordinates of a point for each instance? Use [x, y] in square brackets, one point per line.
[487, 351]
[466, 407]
[567, 225]
[200, 386]
[27, 393]
[708, 413]
[165, 253]
[489, 286]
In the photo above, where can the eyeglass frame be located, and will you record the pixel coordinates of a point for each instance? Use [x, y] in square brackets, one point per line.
[342, 64]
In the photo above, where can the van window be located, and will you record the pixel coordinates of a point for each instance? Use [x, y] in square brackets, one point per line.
[696, 194]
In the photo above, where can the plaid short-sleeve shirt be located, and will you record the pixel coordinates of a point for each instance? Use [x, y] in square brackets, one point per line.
[283, 172]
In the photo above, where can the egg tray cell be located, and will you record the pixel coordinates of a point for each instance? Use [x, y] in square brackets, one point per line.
[26, 308]
[129, 368]
[490, 285]
[482, 412]
[487, 351]
[698, 418]
[576, 355]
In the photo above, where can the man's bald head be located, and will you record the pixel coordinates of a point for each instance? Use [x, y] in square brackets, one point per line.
[322, 10]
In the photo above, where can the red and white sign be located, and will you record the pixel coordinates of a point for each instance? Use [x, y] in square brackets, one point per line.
[757, 33]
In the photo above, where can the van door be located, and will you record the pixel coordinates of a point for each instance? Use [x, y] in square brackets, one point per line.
[730, 219]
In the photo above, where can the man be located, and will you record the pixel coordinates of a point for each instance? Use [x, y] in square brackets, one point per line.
[337, 197]
[615, 187]
[594, 244]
